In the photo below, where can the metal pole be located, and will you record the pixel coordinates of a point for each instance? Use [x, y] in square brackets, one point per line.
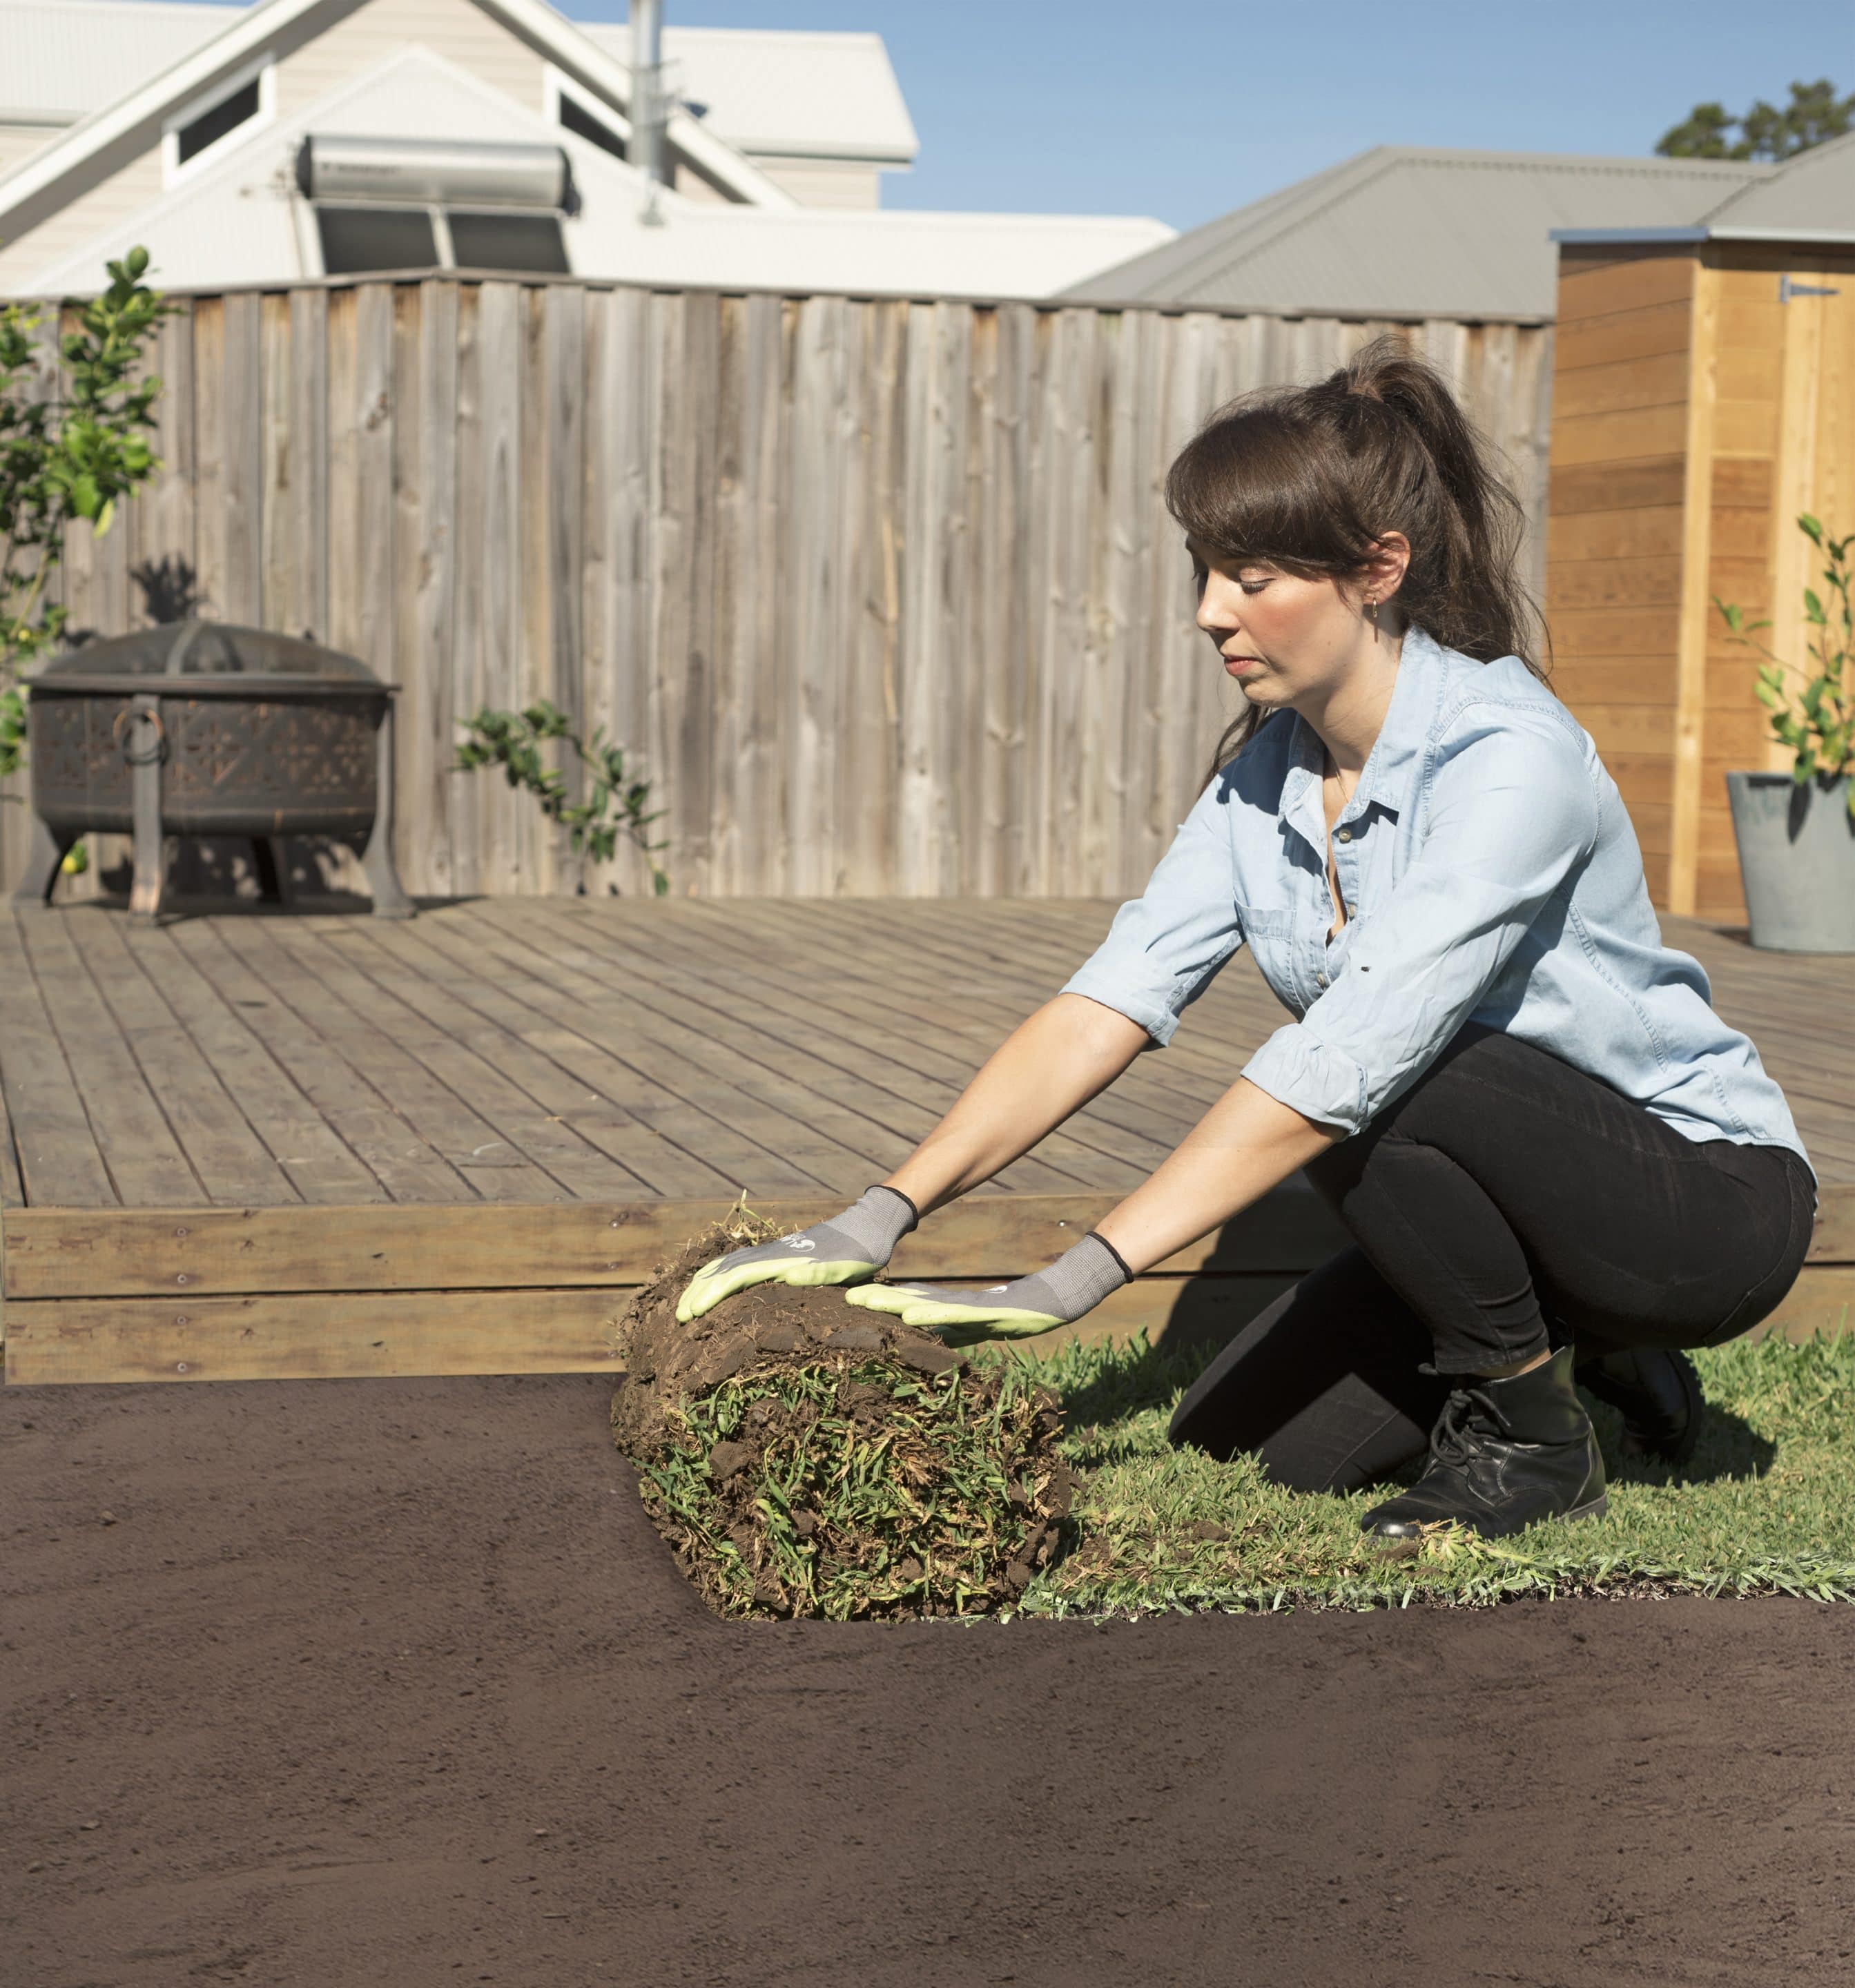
[647, 103]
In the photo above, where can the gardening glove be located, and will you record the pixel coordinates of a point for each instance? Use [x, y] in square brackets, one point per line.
[1076, 1282]
[846, 1249]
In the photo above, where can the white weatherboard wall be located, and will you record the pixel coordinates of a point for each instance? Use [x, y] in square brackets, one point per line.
[823, 114]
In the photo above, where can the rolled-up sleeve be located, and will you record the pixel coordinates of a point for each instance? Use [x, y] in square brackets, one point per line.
[1512, 814]
[1165, 947]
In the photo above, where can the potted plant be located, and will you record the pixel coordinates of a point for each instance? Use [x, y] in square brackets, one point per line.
[1796, 831]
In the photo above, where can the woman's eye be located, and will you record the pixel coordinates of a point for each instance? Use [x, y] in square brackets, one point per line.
[1252, 586]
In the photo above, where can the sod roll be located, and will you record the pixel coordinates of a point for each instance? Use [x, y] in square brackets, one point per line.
[805, 1458]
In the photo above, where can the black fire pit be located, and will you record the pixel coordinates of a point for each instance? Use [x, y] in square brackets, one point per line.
[200, 728]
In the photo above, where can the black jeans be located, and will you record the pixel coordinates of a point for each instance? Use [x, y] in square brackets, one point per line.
[1504, 1203]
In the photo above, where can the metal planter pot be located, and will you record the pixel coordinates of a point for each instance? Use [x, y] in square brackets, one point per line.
[1796, 859]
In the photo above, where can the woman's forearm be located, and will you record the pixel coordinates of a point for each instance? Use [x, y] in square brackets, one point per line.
[1248, 1143]
[1049, 1066]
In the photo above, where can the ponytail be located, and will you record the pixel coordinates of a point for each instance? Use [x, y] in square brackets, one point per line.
[1308, 478]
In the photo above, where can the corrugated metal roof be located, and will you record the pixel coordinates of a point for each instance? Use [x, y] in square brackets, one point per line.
[1811, 194]
[1405, 231]
[778, 94]
[61, 59]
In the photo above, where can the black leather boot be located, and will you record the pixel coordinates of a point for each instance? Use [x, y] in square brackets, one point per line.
[1504, 1454]
[1656, 1392]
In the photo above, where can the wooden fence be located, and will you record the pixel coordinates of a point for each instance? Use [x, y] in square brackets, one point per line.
[883, 592]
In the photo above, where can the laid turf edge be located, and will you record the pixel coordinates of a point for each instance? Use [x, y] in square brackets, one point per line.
[1765, 1506]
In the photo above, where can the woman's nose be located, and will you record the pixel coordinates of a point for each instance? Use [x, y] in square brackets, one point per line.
[1216, 610]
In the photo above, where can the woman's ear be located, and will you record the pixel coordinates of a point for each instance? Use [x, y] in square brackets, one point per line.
[1390, 560]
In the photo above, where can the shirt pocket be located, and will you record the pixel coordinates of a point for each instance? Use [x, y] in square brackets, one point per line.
[1269, 932]
[1265, 921]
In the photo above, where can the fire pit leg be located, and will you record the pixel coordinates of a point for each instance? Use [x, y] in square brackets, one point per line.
[144, 750]
[44, 861]
[271, 866]
[390, 898]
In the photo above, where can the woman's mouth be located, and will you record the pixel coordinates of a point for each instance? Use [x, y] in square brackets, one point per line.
[1237, 664]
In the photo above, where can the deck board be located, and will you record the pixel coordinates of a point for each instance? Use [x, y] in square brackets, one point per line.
[852, 1056]
[227, 1139]
[413, 1014]
[147, 1166]
[406, 1168]
[311, 1154]
[791, 1154]
[610, 1104]
[533, 1049]
[232, 1163]
[56, 1155]
[368, 1039]
[531, 1006]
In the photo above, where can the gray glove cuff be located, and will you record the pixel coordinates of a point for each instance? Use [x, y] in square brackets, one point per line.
[1076, 1282]
[878, 1222]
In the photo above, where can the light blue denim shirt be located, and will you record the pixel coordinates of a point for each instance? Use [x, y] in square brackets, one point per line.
[1493, 875]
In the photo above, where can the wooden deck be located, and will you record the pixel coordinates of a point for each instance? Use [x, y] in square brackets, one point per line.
[246, 1145]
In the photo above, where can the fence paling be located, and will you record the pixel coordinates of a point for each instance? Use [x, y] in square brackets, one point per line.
[882, 591]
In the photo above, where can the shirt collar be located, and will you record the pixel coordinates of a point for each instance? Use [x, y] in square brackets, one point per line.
[1384, 780]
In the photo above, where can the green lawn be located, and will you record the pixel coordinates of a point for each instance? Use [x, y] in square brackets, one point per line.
[1767, 1505]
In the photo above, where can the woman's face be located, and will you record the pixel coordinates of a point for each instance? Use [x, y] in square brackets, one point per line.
[1284, 640]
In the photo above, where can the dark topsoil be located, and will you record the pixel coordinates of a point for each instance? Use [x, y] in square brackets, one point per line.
[347, 1682]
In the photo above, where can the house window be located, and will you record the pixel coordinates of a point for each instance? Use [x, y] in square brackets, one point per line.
[210, 126]
[219, 121]
[576, 118]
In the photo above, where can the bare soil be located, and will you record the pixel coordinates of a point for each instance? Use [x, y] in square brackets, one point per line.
[332, 1684]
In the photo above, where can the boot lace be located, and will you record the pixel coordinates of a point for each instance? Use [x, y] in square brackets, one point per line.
[1453, 1440]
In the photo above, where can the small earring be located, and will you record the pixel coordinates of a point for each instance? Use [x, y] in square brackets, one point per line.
[1372, 610]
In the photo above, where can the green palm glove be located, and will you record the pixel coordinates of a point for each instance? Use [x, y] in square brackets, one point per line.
[1076, 1282]
[846, 1249]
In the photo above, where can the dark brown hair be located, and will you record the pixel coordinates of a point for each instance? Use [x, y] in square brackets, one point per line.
[1307, 478]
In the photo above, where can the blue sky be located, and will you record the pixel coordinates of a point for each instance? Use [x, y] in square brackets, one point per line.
[1185, 109]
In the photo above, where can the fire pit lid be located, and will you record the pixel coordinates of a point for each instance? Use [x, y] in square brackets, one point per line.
[212, 656]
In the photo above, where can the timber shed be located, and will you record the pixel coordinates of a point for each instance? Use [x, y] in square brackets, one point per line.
[1703, 396]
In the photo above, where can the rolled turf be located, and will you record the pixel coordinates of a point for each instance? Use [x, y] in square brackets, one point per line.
[804, 1458]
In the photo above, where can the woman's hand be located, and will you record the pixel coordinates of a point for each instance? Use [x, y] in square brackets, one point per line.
[850, 1247]
[1076, 1282]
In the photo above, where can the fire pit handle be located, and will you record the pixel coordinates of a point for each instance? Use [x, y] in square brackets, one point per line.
[184, 639]
[152, 717]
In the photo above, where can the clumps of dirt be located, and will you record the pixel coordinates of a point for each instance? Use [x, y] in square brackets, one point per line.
[804, 1458]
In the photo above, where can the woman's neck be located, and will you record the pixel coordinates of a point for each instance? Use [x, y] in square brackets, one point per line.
[1349, 718]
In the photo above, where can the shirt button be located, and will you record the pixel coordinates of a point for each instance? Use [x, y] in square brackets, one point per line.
[1320, 980]
[1346, 835]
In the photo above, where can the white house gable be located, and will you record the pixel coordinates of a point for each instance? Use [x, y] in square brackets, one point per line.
[289, 54]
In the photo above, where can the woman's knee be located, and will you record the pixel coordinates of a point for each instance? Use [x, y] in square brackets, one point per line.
[1321, 1387]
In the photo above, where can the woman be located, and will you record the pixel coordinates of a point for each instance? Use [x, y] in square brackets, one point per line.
[1554, 1157]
